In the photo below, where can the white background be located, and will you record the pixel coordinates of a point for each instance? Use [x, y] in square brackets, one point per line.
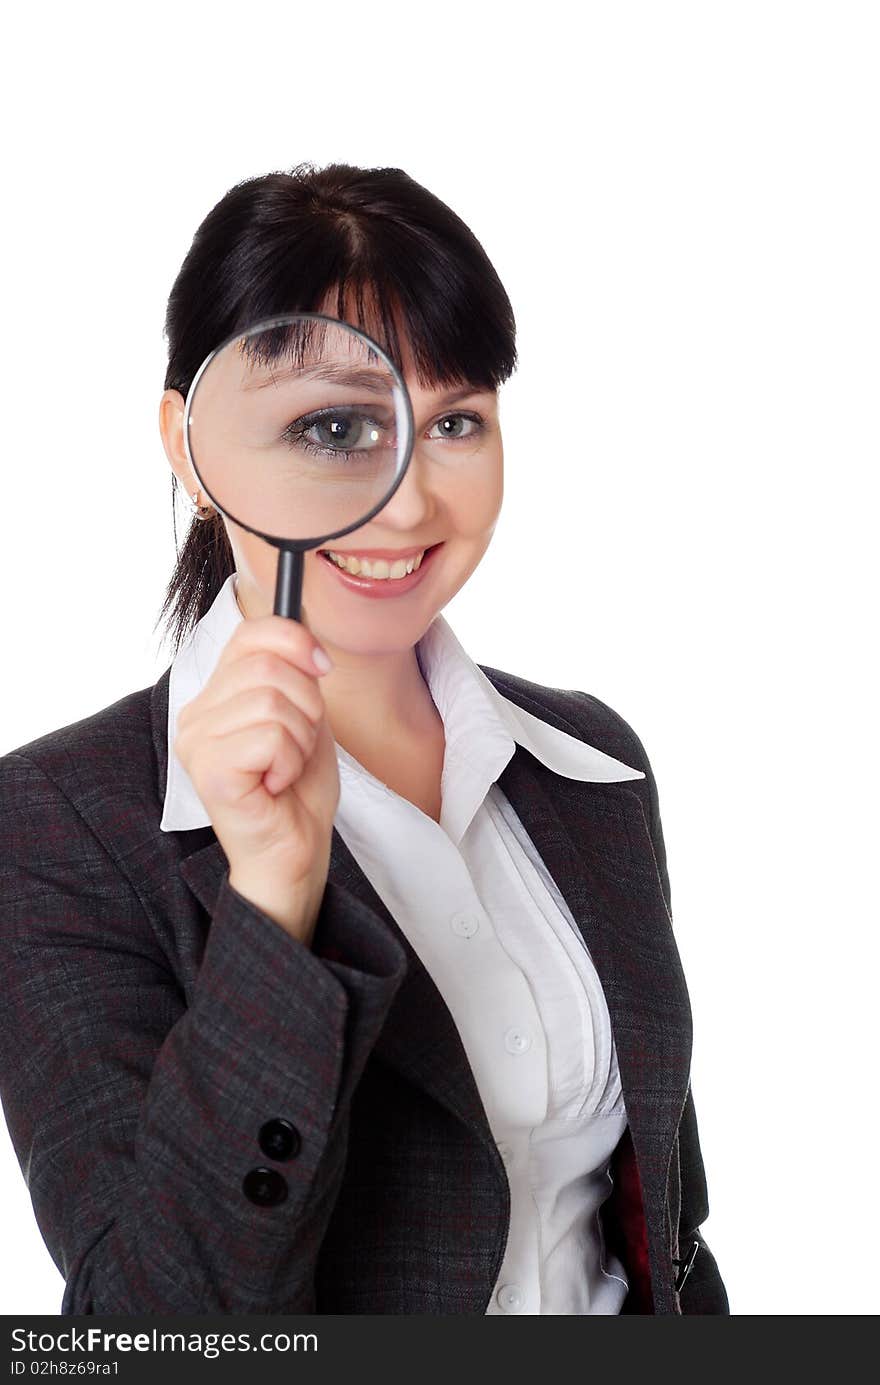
[682, 202]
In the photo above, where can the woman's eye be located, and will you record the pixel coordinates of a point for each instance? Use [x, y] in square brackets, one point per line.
[451, 425]
[338, 431]
[342, 431]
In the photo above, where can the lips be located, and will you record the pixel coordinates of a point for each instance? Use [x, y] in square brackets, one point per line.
[390, 555]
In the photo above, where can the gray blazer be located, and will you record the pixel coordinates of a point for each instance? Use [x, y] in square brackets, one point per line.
[212, 1117]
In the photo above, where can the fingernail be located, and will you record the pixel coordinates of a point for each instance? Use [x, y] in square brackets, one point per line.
[323, 663]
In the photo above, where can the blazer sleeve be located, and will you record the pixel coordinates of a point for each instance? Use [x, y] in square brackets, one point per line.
[703, 1290]
[134, 1115]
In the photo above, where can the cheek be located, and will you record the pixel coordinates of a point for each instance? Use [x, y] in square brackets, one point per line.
[472, 496]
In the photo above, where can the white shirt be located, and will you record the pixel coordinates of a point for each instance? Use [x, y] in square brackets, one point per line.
[478, 905]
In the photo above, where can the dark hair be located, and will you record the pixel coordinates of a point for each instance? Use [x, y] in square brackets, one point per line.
[281, 243]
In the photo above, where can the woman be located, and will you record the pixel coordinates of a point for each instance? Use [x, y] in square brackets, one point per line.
[348, 985]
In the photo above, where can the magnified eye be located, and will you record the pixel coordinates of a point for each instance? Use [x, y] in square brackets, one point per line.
[338, 432]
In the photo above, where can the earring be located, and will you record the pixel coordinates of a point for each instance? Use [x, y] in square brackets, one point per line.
[199, 512]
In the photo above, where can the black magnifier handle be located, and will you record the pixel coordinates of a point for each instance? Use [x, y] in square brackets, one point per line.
[288, 583]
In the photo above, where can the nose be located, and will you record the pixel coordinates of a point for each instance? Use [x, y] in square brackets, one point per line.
[411, 505]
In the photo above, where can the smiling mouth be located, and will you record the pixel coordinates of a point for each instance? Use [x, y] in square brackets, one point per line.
[384, 584]
[378, 568]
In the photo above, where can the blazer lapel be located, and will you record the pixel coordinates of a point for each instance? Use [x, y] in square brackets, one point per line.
[594, 840]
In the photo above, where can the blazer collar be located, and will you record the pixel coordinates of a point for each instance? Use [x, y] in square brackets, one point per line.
[594, 838]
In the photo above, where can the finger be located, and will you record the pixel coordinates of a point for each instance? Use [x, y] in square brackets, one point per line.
[288, 638]
[236, 764]
[249, 707]
[261, 669]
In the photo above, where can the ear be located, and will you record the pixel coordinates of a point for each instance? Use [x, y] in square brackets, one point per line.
[171, 407]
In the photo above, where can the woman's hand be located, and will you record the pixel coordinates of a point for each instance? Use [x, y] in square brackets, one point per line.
[257, 745]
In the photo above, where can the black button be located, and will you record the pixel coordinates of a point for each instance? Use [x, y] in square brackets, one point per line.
[279, 1139]
[265, 1187]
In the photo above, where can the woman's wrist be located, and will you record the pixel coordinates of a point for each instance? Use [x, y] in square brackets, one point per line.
[293, 908]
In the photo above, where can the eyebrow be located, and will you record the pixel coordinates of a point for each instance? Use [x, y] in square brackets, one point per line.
[454, 395]
[375, 381]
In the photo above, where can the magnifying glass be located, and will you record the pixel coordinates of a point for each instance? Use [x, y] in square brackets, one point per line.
[300, 429]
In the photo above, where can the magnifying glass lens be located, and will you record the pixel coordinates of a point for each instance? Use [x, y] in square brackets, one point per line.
[300, 429]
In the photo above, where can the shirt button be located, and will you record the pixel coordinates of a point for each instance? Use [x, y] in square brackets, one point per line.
[510, 1298]
[505, 1151]
[517, 1041]
[465, 925]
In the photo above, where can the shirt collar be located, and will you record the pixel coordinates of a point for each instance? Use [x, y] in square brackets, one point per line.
[482, 726]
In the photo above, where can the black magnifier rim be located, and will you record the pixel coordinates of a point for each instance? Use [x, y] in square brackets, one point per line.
[280, 320]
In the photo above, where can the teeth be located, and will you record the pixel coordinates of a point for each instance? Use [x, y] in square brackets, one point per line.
[378, 567]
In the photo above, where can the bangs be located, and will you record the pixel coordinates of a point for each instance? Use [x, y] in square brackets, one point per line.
[448, 341]
[410, 286]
